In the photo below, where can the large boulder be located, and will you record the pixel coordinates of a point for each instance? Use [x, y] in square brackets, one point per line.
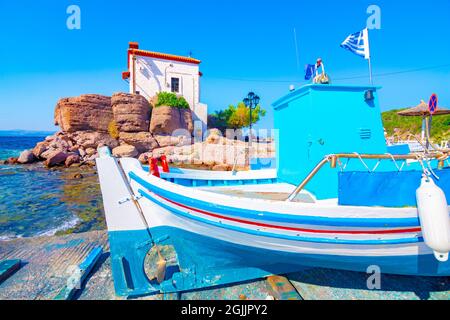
[125, 150]
[56, 158]
[86, 112]
[93, 139]
[72, 159]
[143, 141]
[131, 112]
[40, 148]
[186, 121]
[26, 157]
[165, 120]
[176, 141]
[145, 157]
[11, 160]
[214, 136]
[222, 167]
[167, 151]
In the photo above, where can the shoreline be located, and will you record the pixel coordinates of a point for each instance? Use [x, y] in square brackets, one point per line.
[68, 201]
[49, 259]
[82, 182]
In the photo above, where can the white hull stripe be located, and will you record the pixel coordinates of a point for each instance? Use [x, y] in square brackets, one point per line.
[181, 210]
[237, 212]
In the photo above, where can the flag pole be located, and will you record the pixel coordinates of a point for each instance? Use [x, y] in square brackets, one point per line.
[370, 72]
[366, 31]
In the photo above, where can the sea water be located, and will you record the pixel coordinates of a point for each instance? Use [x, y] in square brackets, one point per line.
[37, 201]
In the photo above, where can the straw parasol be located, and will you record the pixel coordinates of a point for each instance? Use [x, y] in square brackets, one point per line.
[421, 110]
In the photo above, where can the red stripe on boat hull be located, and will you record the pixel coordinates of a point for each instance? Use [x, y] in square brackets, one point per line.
[265, 225]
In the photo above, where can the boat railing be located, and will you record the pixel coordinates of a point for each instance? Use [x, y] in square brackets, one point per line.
[334, 159]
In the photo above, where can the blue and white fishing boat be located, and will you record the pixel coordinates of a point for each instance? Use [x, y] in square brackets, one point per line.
[338, 198]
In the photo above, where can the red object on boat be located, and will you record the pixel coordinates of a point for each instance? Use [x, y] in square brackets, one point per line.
[164, 163]
[154, 170]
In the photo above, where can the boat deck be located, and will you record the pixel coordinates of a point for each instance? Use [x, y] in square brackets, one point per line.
[48, 261]
[271, 191]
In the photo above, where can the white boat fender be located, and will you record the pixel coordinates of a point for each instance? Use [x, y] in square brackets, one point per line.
[434, 218]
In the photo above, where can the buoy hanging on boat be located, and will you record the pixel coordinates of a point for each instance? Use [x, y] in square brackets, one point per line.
[434, 218]
[164, 163]
[154, 170]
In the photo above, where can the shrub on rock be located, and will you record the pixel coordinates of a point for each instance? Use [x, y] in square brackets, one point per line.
[113, 130]
[170, 99]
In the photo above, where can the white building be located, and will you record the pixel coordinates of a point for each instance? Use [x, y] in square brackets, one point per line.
[152, 72]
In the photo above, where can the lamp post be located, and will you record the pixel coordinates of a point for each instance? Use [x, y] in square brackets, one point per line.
[252, 100]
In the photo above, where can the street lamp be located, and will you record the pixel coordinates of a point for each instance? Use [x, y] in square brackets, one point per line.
[252, 100]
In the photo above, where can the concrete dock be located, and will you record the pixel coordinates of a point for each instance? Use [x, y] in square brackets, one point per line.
[47, 263]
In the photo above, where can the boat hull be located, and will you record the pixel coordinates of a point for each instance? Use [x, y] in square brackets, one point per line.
[204, 261]
[216, 240]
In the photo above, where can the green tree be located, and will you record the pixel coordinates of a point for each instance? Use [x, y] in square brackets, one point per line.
[235, 117]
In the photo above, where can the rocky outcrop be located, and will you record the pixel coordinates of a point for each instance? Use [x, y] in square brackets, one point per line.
[11, 160]
[186, 121]
[125, 150]
[92, 139]
[139, 131]
[40, 148]
[168, 140]
[216, 153]
[26, 156]
[222, 167]
[55, 158]
[131, 112]
[86, 112]
[165, 120]
[143, 141]
[72, 159]
[145, 157]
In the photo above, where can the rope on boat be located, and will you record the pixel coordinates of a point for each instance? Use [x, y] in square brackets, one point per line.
[395, 162]
[162, 262]
[362, 161]
[431, 170]
[441, 155]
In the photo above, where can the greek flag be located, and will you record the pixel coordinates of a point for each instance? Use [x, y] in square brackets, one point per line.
[358, 43]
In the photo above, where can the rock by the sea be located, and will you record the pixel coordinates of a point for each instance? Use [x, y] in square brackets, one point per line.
[143, 141]
[163, 151]
[55, 158]
[86, 112]
[145, 157]
[26, 156]
[72, 159]
[92, 139]
[131, 112]
[222, 167]
[40, 148]
[165, 120]
[168, 140]
[125, 150]
[11, 160]
[214, 136]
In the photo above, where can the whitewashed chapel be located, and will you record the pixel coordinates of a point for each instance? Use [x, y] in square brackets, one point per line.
[152, 72]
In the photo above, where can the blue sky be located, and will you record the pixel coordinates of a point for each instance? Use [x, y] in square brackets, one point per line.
[243, 45]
